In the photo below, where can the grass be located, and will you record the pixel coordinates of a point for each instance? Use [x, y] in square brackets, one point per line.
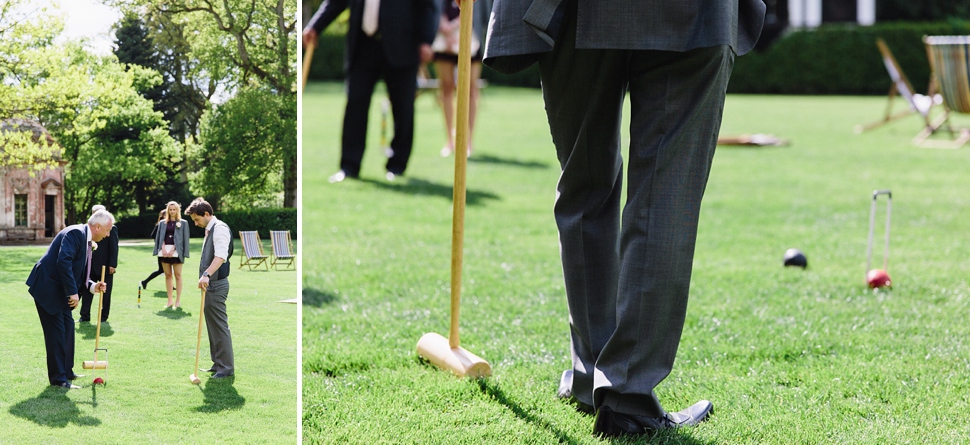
[148, 397]
[786, 355]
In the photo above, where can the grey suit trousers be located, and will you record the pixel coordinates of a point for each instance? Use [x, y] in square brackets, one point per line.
[217, 326]
[627, 280]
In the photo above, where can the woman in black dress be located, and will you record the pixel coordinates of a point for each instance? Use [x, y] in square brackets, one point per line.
[172, 247]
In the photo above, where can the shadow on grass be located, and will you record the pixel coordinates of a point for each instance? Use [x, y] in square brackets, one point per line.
[89, 330]
[671, 437]
[220, 395]
[52, 408]
[491, 159]
[316, 298]
[173, 314]
[415, 186]
[493, 391]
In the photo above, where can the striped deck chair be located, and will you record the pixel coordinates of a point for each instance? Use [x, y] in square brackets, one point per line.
[950, 63]
[253, 248]
[282, 248]
[916, 103]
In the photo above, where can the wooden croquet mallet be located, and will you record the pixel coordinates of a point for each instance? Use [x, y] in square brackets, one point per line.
[198, 343]
[96, 364]
[447, 353]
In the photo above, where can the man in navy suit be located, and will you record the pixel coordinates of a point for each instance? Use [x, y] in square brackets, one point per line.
[54, 283]
[392, 47]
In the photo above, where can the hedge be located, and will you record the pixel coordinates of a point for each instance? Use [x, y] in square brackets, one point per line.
[840, 59]
[831, 59]
[261, 220]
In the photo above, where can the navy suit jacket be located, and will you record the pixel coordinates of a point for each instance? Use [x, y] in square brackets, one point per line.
[61, 271]
[403, 24]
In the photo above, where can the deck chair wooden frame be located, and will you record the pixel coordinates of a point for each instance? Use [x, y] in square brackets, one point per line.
[949, 58]
[252, 250]
[282, 248]
[915, 103]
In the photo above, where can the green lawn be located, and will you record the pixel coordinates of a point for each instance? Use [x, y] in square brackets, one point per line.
[786, 355]
[148, 397]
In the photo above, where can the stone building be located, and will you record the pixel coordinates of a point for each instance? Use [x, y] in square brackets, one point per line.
[31, 200]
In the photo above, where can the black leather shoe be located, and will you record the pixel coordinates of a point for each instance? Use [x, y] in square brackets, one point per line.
[208, 370]
[220, 375]
[610, 423]
[75, 376]
[84, 320]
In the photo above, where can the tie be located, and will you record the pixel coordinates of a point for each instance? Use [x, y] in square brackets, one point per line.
[371, 10]
[86, 277]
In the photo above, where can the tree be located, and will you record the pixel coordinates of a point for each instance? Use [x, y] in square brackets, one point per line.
[115, 145]
[247, 145]
[127, 158]
[240, 44]
[135, 45]
[21, 39]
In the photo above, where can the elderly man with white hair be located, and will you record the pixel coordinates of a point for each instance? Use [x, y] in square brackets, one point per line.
[55, 282]
[105, 255]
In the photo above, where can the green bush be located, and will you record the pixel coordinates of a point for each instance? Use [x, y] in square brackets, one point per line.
[261, 220]
[839, 59]
[832, 59]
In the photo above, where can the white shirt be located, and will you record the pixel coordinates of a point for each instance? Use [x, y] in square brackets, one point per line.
[91, 283]
[220, 238]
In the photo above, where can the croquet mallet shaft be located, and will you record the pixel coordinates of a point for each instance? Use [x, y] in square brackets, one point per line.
[447, 353]
[307, 57]
[96, 364]
[198, 342]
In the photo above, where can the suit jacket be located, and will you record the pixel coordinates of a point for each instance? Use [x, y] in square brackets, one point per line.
[520, 30]
[61, 271]
[181, 239]
[106, 255]
[403, 25]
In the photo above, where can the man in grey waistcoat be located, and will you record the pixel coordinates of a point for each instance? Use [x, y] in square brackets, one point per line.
[627, 277]
[214, 278]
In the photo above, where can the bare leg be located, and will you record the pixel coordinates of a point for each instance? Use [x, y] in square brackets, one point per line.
[177, 271]
[446, 82]
[168, 283]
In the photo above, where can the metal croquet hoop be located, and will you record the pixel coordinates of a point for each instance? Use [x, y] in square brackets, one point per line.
[872, 224]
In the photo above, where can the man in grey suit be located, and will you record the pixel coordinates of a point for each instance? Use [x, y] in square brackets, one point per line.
[214, 279]
[391, 46]
[627, 277]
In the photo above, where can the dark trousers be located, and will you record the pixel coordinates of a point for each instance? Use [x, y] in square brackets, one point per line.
[217, 326]
[59, 342]
[87, 299]
[627, 277]
[154, 274]
[368, 66]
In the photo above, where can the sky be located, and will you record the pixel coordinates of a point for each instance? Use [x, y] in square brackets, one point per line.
[86, 18]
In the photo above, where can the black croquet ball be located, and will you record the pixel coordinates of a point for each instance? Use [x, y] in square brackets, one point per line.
[795, 257]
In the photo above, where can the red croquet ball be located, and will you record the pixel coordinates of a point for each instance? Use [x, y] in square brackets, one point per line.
[877, 278]
[99, 381]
